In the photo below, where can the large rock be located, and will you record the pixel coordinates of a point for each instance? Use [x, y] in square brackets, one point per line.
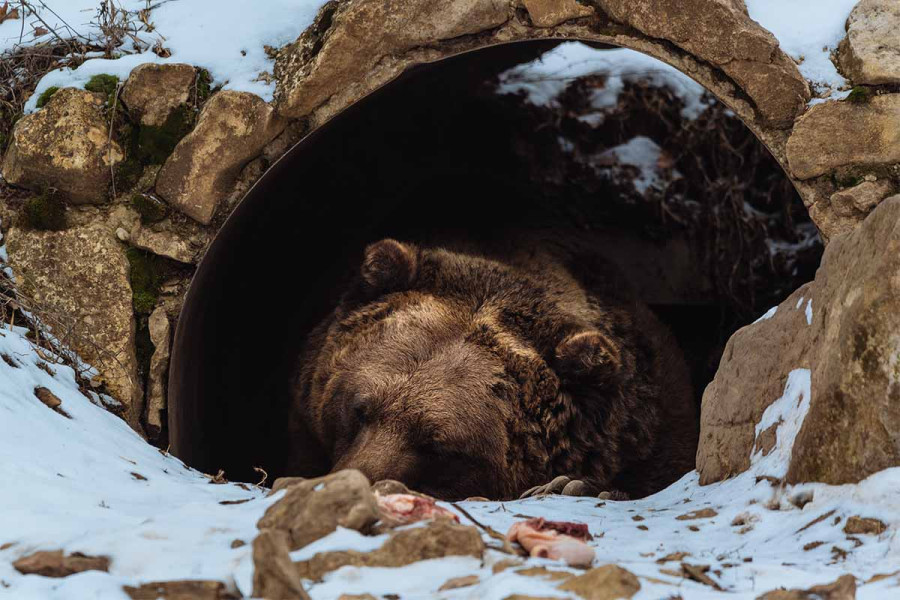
[274, 575]
[231, 129]
[313, 508]
[153, 92]
[609, 582]
[870, 53]
[843, 327]
[79, 277]
[837, 134]
[66, 146]
[846, 208]
[720, 32]
[349, 38]
[435, 540]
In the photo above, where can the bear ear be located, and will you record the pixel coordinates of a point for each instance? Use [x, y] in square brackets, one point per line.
[588, 352]
[389, 265]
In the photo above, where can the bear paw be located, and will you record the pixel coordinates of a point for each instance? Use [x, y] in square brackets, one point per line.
[566, 486]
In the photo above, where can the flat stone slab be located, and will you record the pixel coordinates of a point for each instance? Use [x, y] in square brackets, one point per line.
[838, 134]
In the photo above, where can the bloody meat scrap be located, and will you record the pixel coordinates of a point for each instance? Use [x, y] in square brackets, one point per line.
[402, 509]
[556, 540]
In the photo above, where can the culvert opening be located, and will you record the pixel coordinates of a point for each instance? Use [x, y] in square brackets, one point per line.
[677, 192]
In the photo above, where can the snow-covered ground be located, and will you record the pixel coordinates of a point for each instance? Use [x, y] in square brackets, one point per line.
[87, 483]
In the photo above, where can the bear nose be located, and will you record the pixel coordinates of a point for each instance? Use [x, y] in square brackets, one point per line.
[378, 456]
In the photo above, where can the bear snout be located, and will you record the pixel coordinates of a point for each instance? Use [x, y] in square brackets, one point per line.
[379, 456]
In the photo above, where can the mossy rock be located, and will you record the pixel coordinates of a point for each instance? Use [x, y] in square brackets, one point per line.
[204, 86]
[45, 96]
[46, 212]
[155, 144]
[846, 181]
[150, 145]
[108, 85]
[860, 94]
[149, 208]
[128, 172]
[147, 274]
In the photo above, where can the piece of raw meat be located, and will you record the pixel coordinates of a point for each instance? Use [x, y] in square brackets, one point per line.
[556, 540]
[402, 509]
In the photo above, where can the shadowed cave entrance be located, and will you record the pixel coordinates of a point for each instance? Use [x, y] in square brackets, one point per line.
[438, 152]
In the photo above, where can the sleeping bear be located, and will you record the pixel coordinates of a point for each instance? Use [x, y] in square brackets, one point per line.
[489, 369]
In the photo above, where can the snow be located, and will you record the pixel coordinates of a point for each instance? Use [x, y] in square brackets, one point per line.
[640, 152]
[75, 484]
[68, 18]
[197, 32]
[808, 312]
[342, 539]
[767, 315]
[542, 81]
[808, 31]
[787, 415]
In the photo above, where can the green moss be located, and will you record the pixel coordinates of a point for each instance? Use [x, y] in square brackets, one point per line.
[46, 212]
[859, 94]
[104, 84]
[147, 272]
[155, 144]
[44, 98]
[204, 86]
[150, 209]
[846, 181]
[128, 172]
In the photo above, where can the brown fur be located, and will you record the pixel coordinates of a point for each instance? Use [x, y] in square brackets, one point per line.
[485, 371]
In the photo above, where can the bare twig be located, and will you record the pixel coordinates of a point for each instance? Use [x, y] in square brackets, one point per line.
[491, 532]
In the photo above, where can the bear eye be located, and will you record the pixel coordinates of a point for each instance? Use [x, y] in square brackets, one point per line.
[359, 409]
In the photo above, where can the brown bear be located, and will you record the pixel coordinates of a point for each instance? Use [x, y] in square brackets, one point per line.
[466, 370]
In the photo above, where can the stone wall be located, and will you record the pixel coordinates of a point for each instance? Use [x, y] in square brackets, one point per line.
[150, 170]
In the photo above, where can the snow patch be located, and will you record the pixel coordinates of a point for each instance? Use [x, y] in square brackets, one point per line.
[342, 539]
[90, 484]
[542, 81]
[226, 37]
[808, 31]
[640, 152]
[787, 415]
[808, 312]
[767, 315]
